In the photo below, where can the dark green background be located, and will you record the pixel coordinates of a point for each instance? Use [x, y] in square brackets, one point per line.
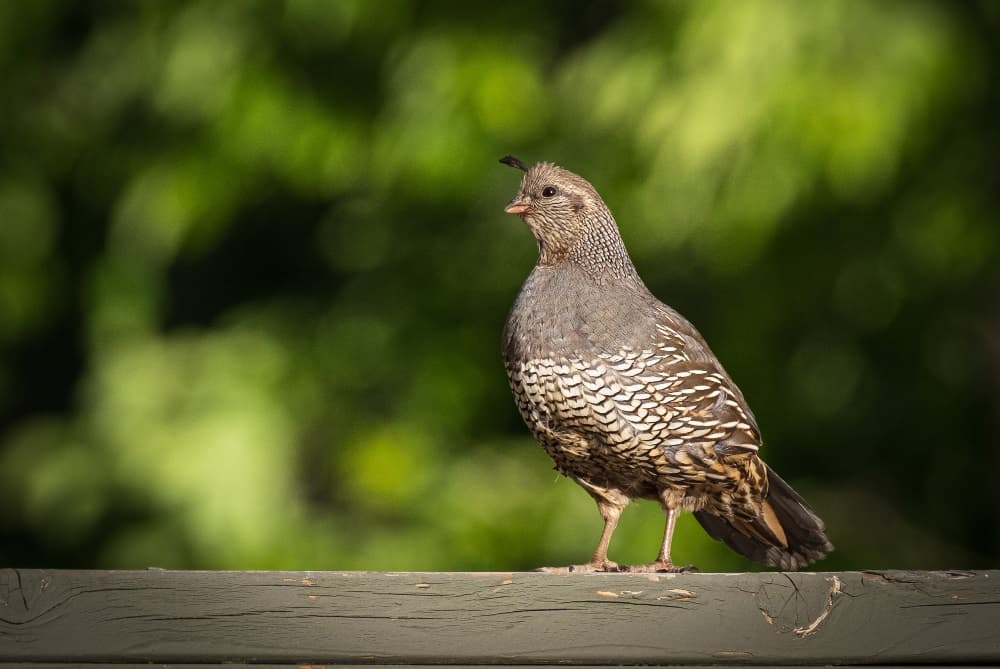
[254, 268]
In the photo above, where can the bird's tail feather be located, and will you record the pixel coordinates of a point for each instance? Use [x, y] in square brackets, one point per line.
[788, 534]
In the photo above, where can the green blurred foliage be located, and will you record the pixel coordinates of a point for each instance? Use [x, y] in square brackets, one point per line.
[254, 269]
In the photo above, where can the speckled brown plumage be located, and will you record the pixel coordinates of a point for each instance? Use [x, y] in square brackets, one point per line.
[627, 398]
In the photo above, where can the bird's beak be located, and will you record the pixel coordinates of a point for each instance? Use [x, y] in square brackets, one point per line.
[518, 205]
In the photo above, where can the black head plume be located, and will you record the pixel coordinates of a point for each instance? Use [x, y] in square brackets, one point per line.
[514, 162]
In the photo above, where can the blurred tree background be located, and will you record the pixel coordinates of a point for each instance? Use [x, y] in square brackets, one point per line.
[254, 268]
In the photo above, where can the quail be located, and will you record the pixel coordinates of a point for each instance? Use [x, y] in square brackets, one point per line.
[626, 397]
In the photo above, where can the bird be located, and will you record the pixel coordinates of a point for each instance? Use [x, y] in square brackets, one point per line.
[627, 398]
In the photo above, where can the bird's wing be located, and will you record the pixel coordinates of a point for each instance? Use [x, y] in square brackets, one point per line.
[703, 392]
[664, 401]
[707, 408]
[670, 393]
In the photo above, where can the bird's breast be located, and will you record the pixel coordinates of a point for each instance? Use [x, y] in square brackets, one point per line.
[560, 313]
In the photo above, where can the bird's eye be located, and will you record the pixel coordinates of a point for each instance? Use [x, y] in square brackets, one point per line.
[549, 191]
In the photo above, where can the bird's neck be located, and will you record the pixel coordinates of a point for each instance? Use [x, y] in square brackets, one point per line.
[600, 253]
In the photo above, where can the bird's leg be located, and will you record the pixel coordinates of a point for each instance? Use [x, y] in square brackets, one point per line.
[611, 513]
[663, 562]
[600, 562]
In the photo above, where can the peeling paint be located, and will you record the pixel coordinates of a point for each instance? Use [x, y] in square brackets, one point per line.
[677, 595]
[831, 593]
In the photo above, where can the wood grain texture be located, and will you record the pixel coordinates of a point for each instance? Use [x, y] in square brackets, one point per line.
[488, 618]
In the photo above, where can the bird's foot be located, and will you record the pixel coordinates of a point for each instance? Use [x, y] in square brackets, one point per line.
[659, 566]
[588, 568]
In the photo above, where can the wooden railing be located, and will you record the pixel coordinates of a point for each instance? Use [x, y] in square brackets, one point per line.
[57, 618]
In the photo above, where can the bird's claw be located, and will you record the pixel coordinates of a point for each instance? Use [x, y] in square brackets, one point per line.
[588, 568]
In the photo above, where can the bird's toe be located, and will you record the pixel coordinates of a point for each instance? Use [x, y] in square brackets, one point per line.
[659, 567]
[588, 568]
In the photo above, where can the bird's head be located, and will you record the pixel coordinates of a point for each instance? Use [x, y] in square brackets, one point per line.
[561, 208]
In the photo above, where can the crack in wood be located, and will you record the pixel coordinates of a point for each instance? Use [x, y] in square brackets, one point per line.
[20, 588]
[787, 611]
[831, 594]
[954, 603]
